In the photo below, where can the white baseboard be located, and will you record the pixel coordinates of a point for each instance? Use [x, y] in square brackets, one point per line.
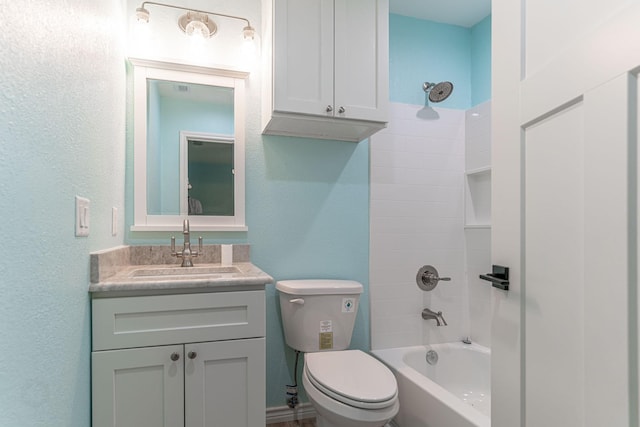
[279, 414]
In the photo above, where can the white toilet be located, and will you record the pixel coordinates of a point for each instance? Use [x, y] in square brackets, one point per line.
[348, 388]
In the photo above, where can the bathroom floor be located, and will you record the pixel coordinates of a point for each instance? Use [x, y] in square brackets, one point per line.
[309, 422]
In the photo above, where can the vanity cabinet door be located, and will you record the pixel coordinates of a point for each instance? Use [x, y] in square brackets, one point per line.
[141, 387]
[225, 383]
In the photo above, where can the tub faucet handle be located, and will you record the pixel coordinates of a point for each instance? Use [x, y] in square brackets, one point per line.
[429, 314]
[428, 278]
[442, 318]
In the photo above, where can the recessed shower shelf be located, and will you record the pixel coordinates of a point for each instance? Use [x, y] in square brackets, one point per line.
[478, 198]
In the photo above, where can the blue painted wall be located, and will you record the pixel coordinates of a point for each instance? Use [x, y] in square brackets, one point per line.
[422, 51]
[481, 61]
[62, 132]
[308, 210]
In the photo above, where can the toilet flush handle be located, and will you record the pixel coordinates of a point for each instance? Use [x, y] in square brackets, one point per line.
[298, 301]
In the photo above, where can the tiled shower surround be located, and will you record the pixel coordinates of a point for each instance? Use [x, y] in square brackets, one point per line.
[417, 218]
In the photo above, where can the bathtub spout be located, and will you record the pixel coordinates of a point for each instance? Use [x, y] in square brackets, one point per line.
[428, 314]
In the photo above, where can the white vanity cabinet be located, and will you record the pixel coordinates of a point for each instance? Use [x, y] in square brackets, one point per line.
[327, 61]
[182, 360]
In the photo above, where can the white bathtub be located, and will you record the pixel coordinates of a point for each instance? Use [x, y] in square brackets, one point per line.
[454, 392]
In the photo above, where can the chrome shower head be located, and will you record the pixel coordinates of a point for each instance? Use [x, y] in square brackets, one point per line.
[438, 92]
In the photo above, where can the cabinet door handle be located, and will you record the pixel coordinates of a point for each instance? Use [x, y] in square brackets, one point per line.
[329, 108]
[175, 356]
[192, 355]
[341, 110]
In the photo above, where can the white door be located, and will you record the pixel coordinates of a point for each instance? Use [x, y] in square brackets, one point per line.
[138, 387]
[225, 383]
[565, 215]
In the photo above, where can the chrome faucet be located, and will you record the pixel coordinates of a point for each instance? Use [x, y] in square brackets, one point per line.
[430, 314]
[187, 254]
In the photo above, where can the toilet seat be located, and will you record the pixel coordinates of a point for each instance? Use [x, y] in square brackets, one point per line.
[352, 377]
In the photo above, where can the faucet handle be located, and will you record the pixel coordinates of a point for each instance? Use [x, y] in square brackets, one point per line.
[442, 318]
[173, 246]
[195, 254]
[428, 278]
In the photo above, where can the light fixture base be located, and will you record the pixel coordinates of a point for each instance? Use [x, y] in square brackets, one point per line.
[142, 14]
[192, 22]
[249, 32]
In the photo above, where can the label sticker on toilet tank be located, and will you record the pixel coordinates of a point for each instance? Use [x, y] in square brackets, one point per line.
[326, 341]
[326, 326]
[348, 305]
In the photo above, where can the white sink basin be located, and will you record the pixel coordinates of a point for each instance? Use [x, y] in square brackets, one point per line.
[183, 271]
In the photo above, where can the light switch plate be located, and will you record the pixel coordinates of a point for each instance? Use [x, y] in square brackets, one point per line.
[82, 216]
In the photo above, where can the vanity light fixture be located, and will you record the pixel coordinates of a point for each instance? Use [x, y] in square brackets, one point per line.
[195, 22]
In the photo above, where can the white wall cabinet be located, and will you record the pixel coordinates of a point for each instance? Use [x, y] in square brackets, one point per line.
[213, 381]
[326, 67]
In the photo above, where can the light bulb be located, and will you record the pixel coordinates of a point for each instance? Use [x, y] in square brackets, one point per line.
[248, 32]
[142, 15]
[197, 29]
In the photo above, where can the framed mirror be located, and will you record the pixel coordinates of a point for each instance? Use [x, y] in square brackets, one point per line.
[188, 147]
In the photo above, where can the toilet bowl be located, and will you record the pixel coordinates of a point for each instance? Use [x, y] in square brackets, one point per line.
[348, 388]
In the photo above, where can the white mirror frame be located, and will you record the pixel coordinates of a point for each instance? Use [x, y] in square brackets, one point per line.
[147, 69]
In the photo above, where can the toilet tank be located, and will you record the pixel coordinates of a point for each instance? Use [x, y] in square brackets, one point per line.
[318, 315]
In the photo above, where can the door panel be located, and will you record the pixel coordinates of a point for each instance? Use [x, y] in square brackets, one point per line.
[594, 56]
[553, 219]
[610, 243]
[565, 184]
[562, 21]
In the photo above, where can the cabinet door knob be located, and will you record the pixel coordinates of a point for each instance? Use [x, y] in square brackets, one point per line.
[341, 110]
[192, 355]
[329, 108]
[175, 356]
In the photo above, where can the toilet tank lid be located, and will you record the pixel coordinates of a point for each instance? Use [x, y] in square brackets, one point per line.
[319, 287]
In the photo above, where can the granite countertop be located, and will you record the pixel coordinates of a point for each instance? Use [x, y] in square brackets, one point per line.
[123, 272]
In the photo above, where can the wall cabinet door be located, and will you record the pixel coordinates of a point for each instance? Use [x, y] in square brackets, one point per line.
[303, 56]
[225, 383]
[140, 387]
[361, 78]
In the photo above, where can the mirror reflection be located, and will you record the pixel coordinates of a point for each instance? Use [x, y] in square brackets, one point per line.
[209, 175]
[190, 146]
